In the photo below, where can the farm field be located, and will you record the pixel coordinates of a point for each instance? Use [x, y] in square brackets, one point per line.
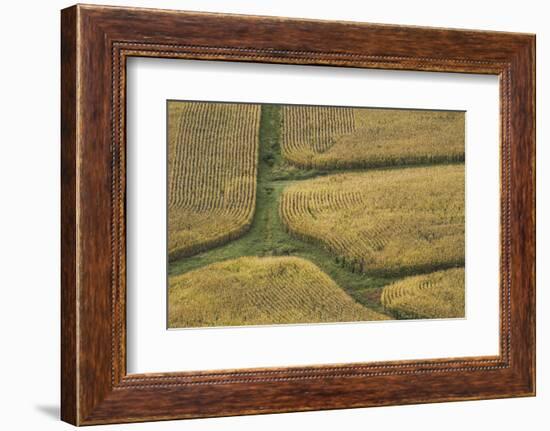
[359, 229]
[393, 222]
[260, 290]
[344, 138]
[438, 294]
[205, 209]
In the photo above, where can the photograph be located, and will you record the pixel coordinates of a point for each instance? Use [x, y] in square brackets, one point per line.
[302, 214]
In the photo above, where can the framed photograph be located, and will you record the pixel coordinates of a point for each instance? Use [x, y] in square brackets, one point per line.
[266, 215]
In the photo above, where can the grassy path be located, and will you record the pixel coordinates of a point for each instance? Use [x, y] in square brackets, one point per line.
[267, 236]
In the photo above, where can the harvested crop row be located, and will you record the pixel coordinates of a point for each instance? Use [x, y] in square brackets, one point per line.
[257, 291]
[343, 138]
[436, 295]
[212, 159]
[392, 222]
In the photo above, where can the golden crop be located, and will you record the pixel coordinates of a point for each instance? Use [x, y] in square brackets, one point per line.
[313, 129]
[379, 225]
[439, 294]
[390, 222]
[260, 290]
[332, 137]
[212, 164]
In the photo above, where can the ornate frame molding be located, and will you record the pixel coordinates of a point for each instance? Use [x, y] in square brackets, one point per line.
[96, 41]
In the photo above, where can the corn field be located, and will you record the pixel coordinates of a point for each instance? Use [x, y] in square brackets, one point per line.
[343, 138]
[392, 222]
[439, 294]
[212, 168]
[260, 290]
[308, 131]
[286, 214]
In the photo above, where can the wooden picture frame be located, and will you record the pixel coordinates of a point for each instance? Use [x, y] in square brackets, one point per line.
[95, 43]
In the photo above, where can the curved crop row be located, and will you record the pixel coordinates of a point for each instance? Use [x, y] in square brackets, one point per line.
[311, 130]
[343, 138]
[436, 295]
[393, 222]
[256, 291]
[212, 159]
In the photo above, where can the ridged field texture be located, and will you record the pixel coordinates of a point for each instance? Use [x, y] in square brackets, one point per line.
[439, 294]
[260, 290]
[212, 169]
[391, 222]
[339, 138]
[285, 214]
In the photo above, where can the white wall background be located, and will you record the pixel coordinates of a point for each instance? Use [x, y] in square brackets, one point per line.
[29, 215]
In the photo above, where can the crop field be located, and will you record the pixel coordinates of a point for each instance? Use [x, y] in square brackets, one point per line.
[314, 129]
[212, 163]
[260, 290]
[393, 222]
[283, 214]
[343, 138]
[439, 294]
